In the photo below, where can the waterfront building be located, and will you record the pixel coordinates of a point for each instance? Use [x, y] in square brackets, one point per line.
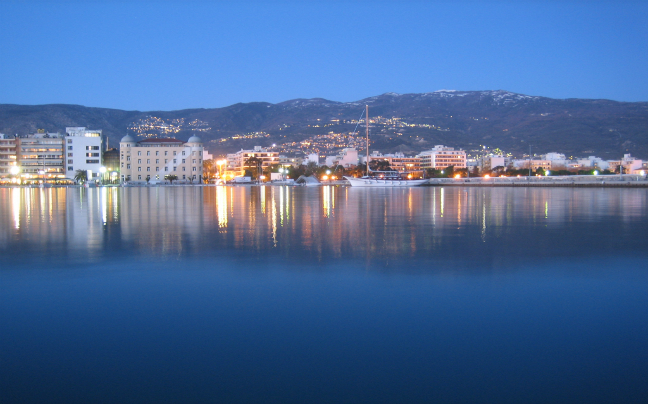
[40, 156]
[236, 162]
[347, 157]
[558, 160]
[110, 160]
[534, 163]
[398, 161]
[441, 157]
[311, 158]
[7, 154]
[286, 161]
[493, 161]
[83, 151]
[593, 162]
[156, 158]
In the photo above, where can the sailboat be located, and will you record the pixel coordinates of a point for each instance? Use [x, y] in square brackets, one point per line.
[381, 178]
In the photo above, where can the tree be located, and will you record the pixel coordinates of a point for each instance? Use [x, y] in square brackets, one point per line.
[379, 165]
[148, 178]
[81, 176]
[171, 178]
[311, 168]
[254, 163]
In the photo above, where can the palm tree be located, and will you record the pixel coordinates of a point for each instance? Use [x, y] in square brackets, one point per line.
[81, 176]
[171, 178]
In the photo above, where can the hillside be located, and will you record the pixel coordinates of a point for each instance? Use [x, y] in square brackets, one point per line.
[400, 122]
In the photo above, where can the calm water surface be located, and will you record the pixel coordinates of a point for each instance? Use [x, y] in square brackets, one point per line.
[295, 295]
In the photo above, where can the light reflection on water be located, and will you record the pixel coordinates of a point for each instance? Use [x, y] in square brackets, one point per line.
[320, 223]
[279, 294]
[327, 222]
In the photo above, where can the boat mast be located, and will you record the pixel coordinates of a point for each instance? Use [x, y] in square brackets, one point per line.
[367, 125]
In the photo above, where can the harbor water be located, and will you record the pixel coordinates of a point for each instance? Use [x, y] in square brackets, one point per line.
[327, 294]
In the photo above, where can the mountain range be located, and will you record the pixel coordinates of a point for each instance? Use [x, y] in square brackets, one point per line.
[400, 122]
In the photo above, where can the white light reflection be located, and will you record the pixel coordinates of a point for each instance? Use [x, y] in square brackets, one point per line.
[281, 206]
[326, 200]
[274, 216]
[434, 206]
[104, 205]
[15, 206]
[442, 200]
[263, 199]
[483, 232]
[221, 206]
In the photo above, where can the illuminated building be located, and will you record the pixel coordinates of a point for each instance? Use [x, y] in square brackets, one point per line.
[236, 162]
[7, 153]
[83, 149]
[157, 158]
[40, 156]
[398, 161]
[441, 157]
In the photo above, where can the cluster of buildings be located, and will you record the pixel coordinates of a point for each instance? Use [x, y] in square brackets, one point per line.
[57, 157]
[558, 161]
[52, 156]
[438, 157]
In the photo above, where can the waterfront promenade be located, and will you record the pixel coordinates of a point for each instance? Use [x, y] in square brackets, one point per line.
[612, 181]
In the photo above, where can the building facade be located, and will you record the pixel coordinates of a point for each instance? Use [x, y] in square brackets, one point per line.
[236, 162]
[156, 159]
[7, 154]
[398, 161]
[441, 157]
[83, 151]
[40, 156]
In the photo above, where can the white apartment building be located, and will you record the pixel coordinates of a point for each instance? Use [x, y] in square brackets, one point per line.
[441, 157]
[493, 161]
[236, 161]
[593, 162]
[83, 151]
[346, 157]
[157, 158]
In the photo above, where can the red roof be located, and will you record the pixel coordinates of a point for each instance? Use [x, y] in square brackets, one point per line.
[160, 140]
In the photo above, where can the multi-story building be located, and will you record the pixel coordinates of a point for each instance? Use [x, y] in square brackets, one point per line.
[83, 151]
[236, 162]
[534, 163]
[40, 156]
[158, 158]
[347, 157]
[398, 161]
[441, 157]
[7, 154]
[493, 161]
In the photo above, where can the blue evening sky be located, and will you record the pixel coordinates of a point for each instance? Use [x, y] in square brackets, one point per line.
[165, 55]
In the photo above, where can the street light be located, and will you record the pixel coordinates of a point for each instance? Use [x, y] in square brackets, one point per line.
[220, 166]
[102, 170]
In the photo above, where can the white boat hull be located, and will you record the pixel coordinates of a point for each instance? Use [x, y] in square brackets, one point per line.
[377, 182]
